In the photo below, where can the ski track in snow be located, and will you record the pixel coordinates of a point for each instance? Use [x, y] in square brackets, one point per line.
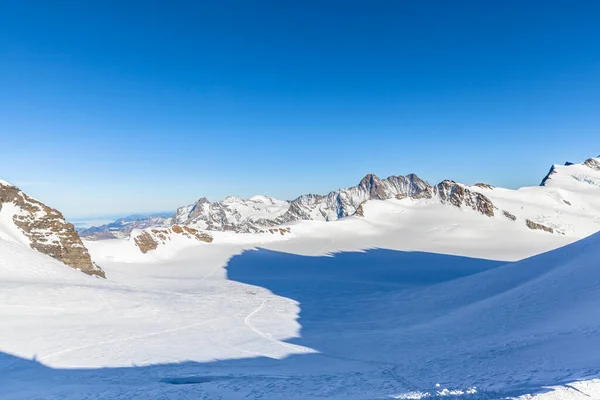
[124, 339]
[294, 348]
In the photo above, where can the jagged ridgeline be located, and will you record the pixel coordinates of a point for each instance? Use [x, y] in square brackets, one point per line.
[259, 214]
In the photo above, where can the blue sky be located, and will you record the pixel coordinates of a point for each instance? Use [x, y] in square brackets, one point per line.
[116, 107]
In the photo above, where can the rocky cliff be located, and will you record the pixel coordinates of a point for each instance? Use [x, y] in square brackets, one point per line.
[45, 229]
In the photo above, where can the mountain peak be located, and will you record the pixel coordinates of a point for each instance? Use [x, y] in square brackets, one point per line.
[369, 179]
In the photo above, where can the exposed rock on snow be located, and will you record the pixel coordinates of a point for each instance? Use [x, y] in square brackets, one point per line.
[149, 239]
[458, 195]
[534, 225]
[593, 163]
[509, 215]
[484, 186]
[45, 229]
[281, 231]
[360, 212]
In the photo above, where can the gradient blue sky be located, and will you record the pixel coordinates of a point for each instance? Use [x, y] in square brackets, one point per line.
[134, 106]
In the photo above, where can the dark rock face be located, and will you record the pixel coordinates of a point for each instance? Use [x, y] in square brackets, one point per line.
[593, 163]
[535, 226]
[548, 176]
[48, 232]
[453, 193]
[509, 215]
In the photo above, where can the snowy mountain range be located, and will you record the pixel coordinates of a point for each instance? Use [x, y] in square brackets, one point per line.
[259, 213]
[565, 204]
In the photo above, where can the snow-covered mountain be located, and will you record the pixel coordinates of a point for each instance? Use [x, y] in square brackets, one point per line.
[31, 223]
[568, 193]
[233, 214]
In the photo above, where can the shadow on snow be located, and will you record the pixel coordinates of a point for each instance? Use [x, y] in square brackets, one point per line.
[383, 322]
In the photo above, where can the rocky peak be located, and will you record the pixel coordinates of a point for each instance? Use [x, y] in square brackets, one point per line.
[453, 193]
[46, 229]
[374, 187]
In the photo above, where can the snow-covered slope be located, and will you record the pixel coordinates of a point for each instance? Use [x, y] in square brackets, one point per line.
[276, 324]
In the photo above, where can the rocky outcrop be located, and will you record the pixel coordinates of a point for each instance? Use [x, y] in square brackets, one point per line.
[450, 192]
[549, 175]
[360, 212]
[484, 186]
[47, 231]
[508, 215]
[145, 242]
[149, 239]
[281, 231]
[535, 226]
[593, 163]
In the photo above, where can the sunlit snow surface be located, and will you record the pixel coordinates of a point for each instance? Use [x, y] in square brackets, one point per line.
[416, 300]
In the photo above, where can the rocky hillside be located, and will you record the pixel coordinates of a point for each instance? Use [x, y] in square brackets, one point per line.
[150, 239]
[31, 222]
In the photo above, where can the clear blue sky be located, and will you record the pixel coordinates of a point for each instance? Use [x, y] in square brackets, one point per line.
[126, 106]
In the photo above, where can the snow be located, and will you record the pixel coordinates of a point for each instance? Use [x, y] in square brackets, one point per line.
[8, 230]
[225, 315]
[415, 300]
